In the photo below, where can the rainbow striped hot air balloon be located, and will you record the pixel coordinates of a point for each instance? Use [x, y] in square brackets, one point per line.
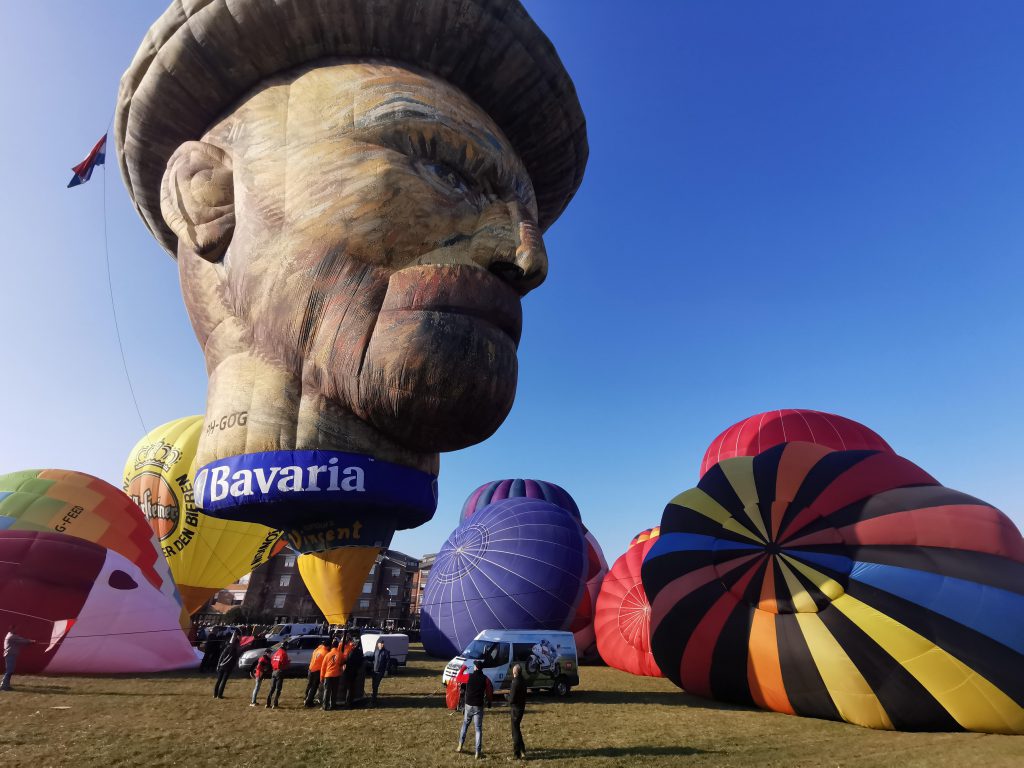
[846, 585]
[82, 575]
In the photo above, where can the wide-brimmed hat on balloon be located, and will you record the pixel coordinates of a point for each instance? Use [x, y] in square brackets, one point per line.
[201, 56]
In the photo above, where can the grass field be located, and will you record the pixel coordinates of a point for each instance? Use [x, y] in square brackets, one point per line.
[612, 719]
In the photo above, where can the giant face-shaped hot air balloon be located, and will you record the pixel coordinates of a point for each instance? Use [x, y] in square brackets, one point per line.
[846, 585]
[204, 553]
[335, 578]
[622, 620]
[763, 430]
[515, 564]
[582, 625]
[81, 573]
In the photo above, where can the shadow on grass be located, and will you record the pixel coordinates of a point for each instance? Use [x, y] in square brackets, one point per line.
[668, 698]
[638, 751]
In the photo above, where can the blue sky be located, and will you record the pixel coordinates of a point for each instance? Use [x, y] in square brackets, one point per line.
[802, 204]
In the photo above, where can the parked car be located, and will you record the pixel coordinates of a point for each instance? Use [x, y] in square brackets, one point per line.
[548, 659]
[300, 651]
[397, 644]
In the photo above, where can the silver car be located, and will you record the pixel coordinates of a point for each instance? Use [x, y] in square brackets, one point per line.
[300, 652]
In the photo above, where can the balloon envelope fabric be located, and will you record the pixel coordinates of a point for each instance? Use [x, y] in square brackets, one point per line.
[204, 553]
[763, 430]
[622, 620]
[516, 564]
[76, 504]
[89, 609]
[582, 625]
[335, 578]
[846, 585]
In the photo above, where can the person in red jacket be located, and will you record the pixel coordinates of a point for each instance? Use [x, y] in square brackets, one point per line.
[279, 661]
[261, 671]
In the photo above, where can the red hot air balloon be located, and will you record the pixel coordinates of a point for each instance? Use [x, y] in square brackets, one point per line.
[622, 619]
[766, 430]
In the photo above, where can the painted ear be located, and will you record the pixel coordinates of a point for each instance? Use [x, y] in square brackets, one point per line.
[197, 198]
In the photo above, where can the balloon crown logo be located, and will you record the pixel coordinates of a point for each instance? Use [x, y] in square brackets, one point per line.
[159, 455]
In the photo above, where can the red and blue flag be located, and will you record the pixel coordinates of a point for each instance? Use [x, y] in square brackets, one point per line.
[83, 171]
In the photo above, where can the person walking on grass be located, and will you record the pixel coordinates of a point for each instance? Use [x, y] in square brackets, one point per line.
[478, 690]
[279, 661]
[12, 647]
[330, 672]
[517, 708]
[226, 665]
[261, 671]
[313, 676]
[380, 666]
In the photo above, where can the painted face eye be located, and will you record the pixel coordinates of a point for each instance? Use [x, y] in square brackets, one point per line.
[121, 580]
[448, 176]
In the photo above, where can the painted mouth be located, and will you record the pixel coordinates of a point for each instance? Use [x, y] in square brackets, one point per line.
[456, 289]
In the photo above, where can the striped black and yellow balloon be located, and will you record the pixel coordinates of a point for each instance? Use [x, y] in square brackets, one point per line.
[847, 585]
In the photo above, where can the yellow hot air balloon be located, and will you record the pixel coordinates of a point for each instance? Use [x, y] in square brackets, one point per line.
[335, 578]
[205, 553]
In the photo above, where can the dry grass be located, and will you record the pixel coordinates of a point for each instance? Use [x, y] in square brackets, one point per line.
[612, 719]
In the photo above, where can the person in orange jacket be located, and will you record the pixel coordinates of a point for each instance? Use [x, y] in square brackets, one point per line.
[279, 661]
[313, 678]
[330, 673]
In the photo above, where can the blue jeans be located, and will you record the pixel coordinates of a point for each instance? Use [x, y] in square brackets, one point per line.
[9, 667]
[256, 690]
[476, 714]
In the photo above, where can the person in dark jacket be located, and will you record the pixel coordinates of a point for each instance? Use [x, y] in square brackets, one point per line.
[517, 707]
[226, 665]
[381, 663]
[478, 690]
[353, 677]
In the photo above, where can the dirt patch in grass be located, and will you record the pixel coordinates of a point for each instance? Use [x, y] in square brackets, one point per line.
[613, 719]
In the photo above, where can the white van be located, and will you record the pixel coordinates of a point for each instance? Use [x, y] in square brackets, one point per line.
[548, 659]
[279, 632]
[397, 645]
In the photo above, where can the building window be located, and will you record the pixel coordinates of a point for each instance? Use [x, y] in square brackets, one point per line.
[364, 604]
[373, 569]
[286, 580]
[289, 561]
[395, 572]
[368, 588]
[279, 600]
[393, 591]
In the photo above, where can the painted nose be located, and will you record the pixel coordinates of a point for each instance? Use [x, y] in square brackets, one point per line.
[526, 267]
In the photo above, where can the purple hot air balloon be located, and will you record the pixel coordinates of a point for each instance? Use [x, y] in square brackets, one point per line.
[517, 564]
[518, 488]
[582, 625]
